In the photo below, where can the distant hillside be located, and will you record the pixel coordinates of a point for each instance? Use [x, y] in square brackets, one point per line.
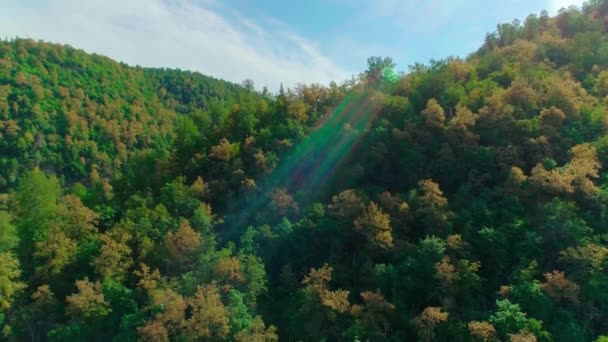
[70, 112]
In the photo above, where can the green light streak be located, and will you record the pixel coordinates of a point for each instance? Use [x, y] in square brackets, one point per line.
[312, 162]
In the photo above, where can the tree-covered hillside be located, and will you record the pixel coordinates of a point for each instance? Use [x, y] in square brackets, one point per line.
[462, 200]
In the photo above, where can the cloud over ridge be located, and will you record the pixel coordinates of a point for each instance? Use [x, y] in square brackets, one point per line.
[200, 36]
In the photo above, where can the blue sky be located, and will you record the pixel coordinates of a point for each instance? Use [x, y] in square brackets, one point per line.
[349, 31]
[268, 41]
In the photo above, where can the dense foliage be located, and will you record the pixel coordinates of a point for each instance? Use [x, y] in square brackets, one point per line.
[464, 200]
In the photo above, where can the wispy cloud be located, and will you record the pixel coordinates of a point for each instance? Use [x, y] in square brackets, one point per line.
[202, 36]
[555, 5]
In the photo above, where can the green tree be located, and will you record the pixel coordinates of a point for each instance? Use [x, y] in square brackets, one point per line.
[36, 209]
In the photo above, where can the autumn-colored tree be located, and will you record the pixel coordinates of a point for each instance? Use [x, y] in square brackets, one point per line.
[228, 271]
[551, 121]
[583, 168]
[283, 202]
[88, 302]
[316, 285]
[9, 280]
[601, 85]
[566, 94]
[482, 331]
[199, 188]
[296, 110]
[455, 243]
[114, 259]
[209, 317]
[551, 181]
[559, 288]
[464, 118]
[182, 246]
[459, 132]
[495, 116]
[75, 219]
[433, 114]
[376, 226]
[523, 336]
[458, 277]
[588, 257]
[169, 321]
[10, 271]
[43, 311]
[515, 181]
[322, 306]
[399, 210]
[224, 150]
[577, 175]
[259, 333]
[53, 254]
[374, 314]
[427, 322]
[153, 331]
[433, 207]
[149, 280]
[346, 204]
[521, 94]
[265, 161]
[446, 272]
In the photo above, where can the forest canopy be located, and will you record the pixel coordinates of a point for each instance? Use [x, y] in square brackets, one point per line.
[464, 200]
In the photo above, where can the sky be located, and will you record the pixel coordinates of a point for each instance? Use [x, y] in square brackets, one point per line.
[271, 42]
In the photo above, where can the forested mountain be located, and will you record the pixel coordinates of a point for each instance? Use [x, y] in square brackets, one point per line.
[463, 200]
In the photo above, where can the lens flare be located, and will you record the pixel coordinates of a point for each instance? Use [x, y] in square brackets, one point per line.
[307, 168]
[311, 163]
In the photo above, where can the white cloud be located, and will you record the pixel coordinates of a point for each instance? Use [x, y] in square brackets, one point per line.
[558, 4]
[199, 36]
